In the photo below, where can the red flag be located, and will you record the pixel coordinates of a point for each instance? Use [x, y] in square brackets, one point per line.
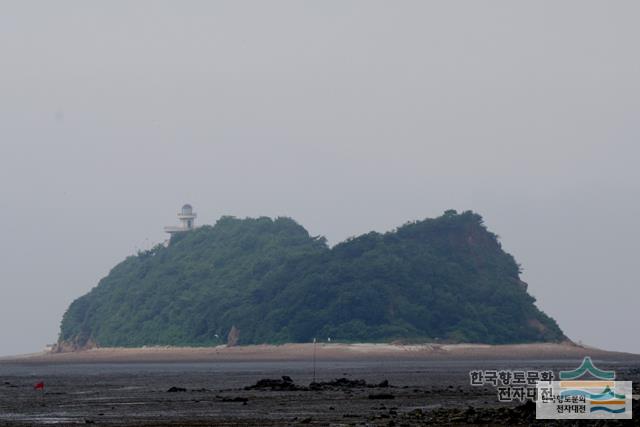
[39, 386]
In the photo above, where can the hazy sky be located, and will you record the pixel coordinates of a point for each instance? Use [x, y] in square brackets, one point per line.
[348, 116]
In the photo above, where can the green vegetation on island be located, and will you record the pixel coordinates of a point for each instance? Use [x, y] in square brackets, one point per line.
[444, 279]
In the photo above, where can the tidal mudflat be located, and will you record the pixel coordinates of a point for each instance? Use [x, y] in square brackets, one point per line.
[383, 392]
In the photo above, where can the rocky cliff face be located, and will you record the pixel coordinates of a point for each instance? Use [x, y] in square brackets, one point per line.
[66, 346]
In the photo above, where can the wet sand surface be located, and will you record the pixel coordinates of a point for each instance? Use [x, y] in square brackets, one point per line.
[213, 393]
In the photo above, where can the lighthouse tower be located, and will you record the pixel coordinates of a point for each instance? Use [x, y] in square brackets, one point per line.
[186, 217]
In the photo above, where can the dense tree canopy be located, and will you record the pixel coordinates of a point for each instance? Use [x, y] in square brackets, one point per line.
[444, 279]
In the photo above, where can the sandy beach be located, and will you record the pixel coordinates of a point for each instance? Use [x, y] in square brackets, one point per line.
[325, 351]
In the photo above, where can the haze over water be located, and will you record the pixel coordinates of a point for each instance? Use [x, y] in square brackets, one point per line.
[346, 116]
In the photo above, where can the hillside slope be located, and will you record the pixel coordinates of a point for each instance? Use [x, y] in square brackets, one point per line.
[442, 279]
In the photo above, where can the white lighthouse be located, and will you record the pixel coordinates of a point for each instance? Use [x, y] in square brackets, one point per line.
[186, 217]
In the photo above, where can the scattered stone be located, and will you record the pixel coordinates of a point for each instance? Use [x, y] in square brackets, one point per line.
[337, 384]
[520, 415]
[345, 383]
[416, 413]
[384, 384]
[382, 396]
[235, 399]
[175, 389]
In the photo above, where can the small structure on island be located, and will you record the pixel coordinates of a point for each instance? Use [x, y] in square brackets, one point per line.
[187, 217]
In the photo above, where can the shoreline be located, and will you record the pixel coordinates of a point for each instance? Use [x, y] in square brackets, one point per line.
[326, 352]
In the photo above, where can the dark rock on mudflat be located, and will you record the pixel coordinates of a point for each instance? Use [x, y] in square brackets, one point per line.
[284, 384]
[338, 383]
[235, 399]
[522, 415]
[345, 383]
[176, 390]
[416, 413]
[381, 396]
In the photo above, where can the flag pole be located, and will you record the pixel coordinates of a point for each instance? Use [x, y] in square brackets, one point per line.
[40, 386]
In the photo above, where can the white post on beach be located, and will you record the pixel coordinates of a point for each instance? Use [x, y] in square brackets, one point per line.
[314, 360]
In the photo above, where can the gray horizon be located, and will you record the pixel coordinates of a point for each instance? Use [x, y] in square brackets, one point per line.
[348, 116]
